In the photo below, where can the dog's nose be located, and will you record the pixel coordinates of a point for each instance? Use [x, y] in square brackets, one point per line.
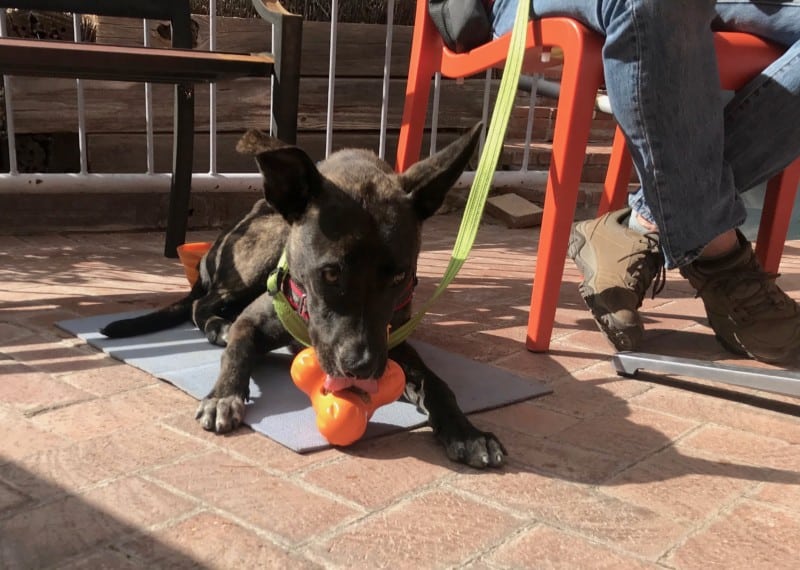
[360, 364]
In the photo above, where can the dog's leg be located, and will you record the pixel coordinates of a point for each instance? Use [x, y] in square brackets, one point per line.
[463, 441]
[256, 331]
[206, 315]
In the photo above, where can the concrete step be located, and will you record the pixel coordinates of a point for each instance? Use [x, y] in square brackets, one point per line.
[595, 162]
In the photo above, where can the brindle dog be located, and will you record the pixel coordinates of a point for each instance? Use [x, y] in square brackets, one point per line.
[351, 228]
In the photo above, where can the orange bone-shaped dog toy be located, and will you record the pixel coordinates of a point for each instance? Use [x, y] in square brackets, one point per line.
[342, 416]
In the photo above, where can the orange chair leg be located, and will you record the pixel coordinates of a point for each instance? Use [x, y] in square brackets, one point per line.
[426, 51]
[581, 78]
[620, 166]
[776, 216]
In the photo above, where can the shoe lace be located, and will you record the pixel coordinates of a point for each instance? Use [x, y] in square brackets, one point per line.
[647, 267]
[751, 292]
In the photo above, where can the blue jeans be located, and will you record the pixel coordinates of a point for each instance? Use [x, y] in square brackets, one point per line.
[694, 152]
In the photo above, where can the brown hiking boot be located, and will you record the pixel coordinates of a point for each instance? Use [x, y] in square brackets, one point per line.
[618, 266]
[749, 313]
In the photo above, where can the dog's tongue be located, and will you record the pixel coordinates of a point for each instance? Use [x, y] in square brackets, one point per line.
[335, 384]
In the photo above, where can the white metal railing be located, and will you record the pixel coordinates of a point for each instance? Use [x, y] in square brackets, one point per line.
[151, 180]
[10, 132]
[147, 181]
[521, 177]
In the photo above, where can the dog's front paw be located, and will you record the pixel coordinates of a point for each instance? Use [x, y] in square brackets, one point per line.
[221, 414]
[479, 449]
[216, 330]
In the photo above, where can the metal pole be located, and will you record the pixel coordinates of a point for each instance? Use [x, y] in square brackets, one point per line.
[331, 78]
[387, 63]
[212, 91]
[10, 132]
[76, 31]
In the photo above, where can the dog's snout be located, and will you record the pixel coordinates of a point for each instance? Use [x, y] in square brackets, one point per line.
[361, 363]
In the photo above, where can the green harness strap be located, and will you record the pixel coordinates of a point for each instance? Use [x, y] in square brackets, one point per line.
[292, 321]
[473, 210]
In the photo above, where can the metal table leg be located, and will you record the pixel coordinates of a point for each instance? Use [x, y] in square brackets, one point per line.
[777, 381]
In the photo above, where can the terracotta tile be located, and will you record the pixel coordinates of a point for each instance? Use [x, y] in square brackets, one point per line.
[58, 471]
[675, 313]
[45, 321]
[147, 446]
[271, 503]
[46, 535]
[26, 389]
[137, 502]
[73, 467]
[109, 377]
[588, 341]
[208, 540]
[528, 417]
[106, 559]
[51, 356]
[120, 411]
[717, 409]
[780, 460]
[473, 346]
[546, 367]
[438, 526]
[10, 243]
[379, 472]
[696, 341]
[581, 510]
[751, 536]
[254, 446]
[22, 438]
[547, 547]
[589, 392]
[512, 333]
[11, 332]
[479, 564]
[550, 456]
[571, 316]
[682, 484]
[625, 431]
[139, 455]
[785, 495]
[10, 498]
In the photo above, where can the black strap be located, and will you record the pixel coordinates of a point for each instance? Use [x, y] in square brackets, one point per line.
[463, 24]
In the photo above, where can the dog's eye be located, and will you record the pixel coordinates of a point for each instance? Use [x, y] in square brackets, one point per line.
[331, 275]
[398, 278]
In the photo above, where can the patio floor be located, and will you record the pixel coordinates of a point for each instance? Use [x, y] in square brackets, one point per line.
[103, 466]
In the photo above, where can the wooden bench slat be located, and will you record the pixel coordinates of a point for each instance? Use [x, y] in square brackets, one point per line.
[126, 63]
[176, 65]
[150, 9]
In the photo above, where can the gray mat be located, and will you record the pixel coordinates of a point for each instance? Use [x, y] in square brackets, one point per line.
[183, 357]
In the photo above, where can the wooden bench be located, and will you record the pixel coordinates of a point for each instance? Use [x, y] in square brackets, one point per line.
[178, 65]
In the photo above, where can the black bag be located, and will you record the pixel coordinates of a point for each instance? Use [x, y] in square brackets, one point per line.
[463, 24]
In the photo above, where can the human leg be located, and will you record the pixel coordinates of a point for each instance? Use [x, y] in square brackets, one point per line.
[746, 309]
[762, 120]
[618, 265]
[749, 313]
[649, 60]
[662, 79]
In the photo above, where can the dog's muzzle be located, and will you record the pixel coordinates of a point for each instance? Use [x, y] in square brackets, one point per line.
[338, 383]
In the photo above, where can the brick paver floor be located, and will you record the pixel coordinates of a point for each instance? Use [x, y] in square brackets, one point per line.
[103, 466]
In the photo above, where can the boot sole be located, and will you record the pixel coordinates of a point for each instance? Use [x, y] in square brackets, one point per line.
[785, 357]
[621, 338]
[739, 349]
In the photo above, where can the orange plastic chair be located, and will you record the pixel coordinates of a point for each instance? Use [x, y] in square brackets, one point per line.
[740, 58]
[581, 77]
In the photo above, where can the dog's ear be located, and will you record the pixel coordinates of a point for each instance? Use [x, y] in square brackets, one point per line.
[291, 178]
[429, 180]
